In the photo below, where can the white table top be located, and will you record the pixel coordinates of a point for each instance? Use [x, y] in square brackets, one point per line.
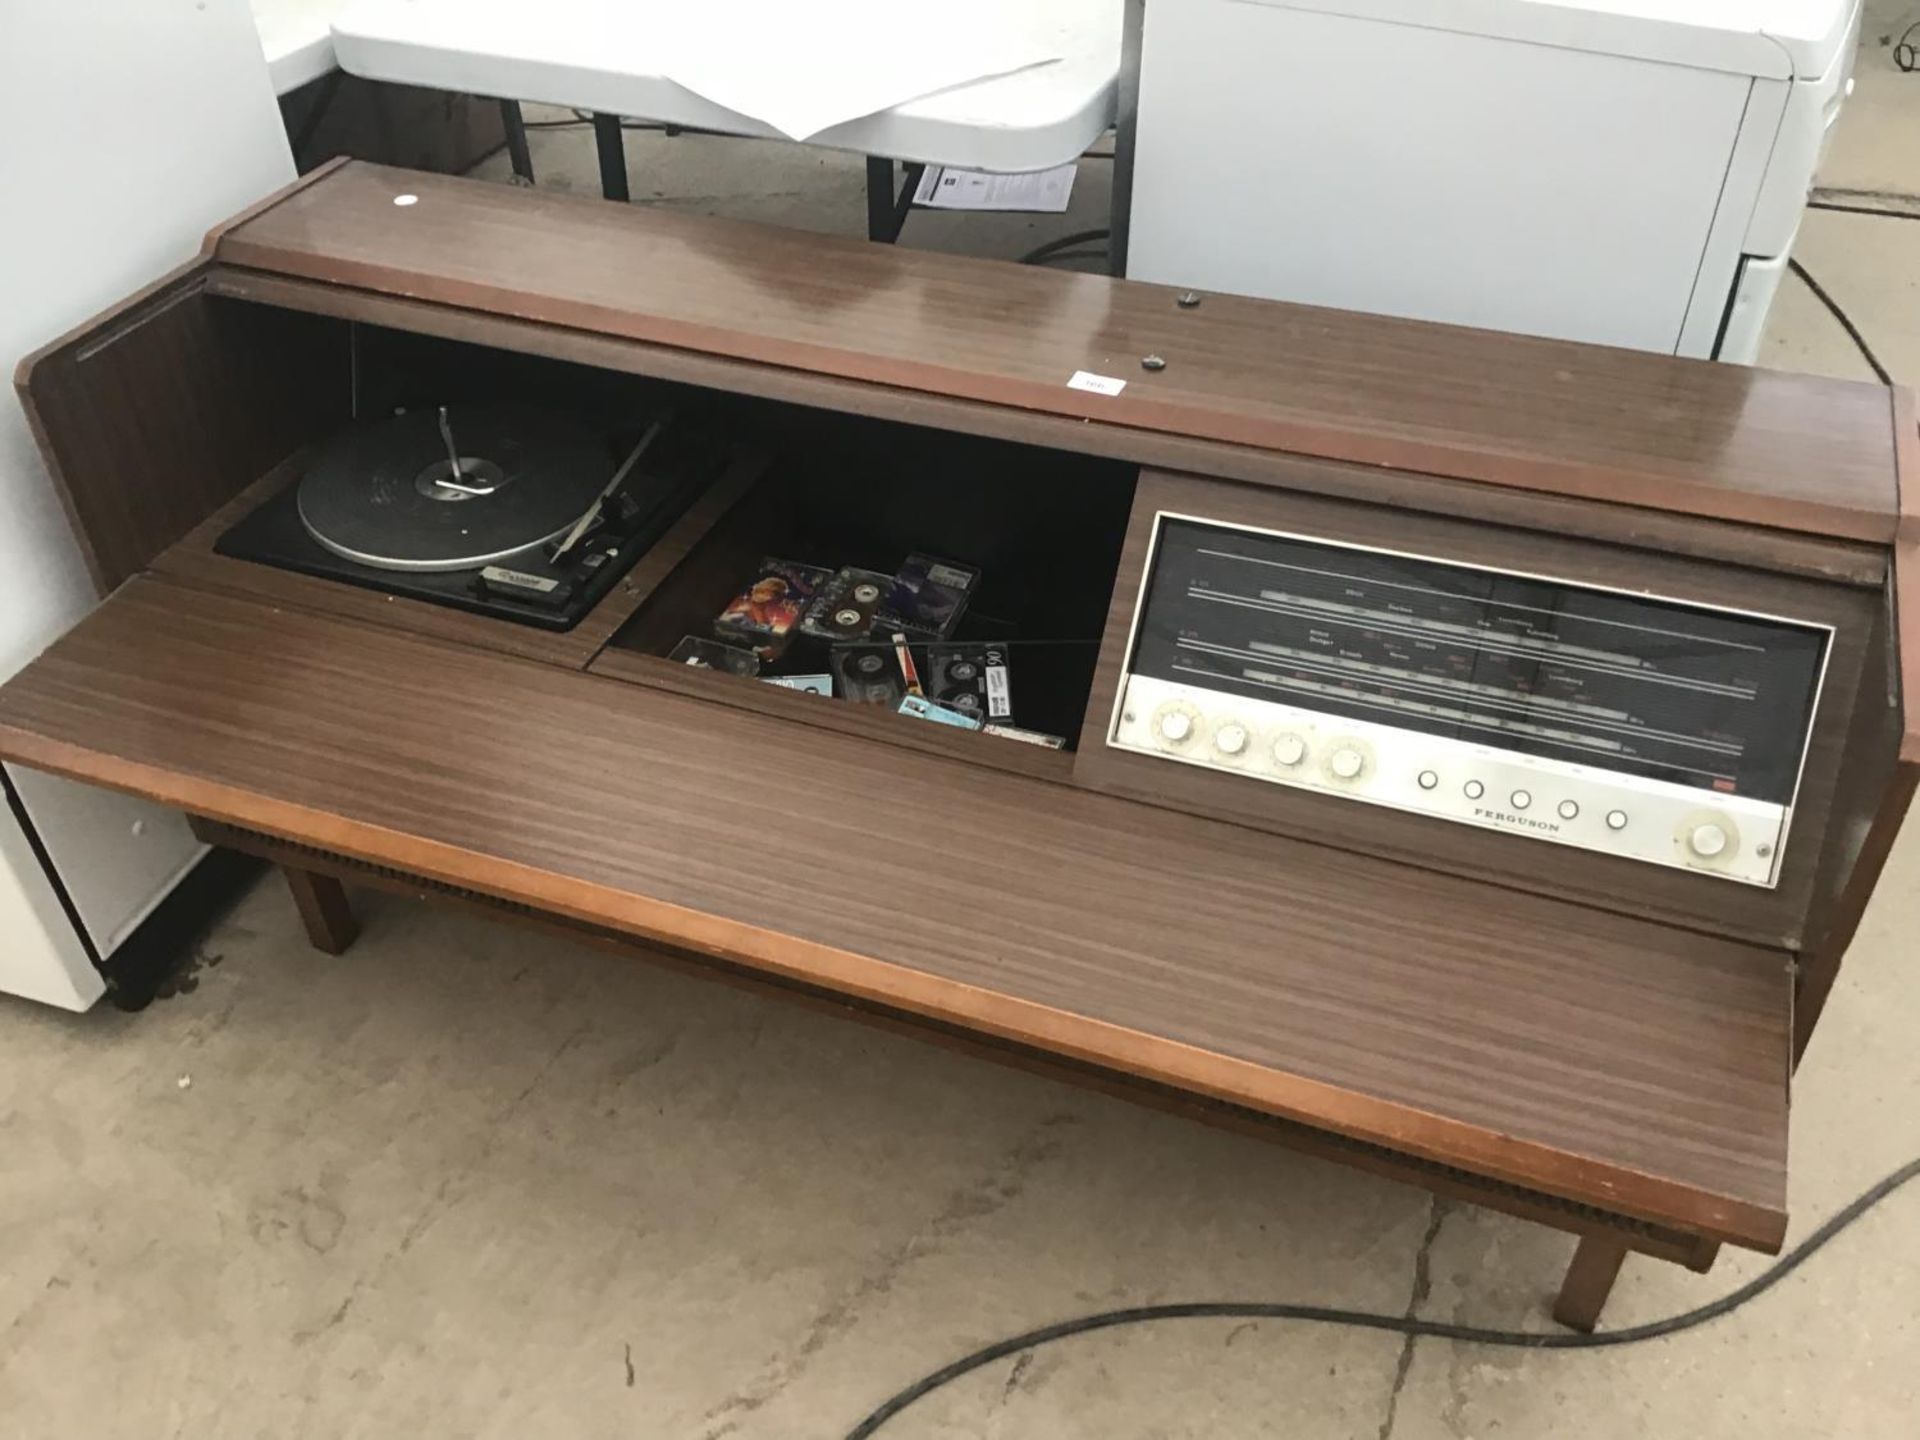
[297, 36]
[562, 52]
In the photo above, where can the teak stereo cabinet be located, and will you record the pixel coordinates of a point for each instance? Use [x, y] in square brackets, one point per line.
[1596, 1044]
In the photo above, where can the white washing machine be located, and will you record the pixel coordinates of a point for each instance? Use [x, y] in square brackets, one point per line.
[1629, 172]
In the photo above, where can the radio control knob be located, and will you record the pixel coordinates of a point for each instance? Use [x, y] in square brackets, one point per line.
[1289, 750]
[1231, 738]
[1346, 763]
[1707, 841]
[1176, 725]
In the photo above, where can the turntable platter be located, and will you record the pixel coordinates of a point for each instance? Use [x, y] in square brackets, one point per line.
[386, 493]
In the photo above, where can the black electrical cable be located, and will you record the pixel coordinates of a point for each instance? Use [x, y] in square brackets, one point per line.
[1059, 255]
[1065, 242]
[1397, 1324]
[1846, 321]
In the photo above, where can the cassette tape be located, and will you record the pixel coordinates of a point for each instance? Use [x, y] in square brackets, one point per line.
[712, 655]
[764, 614]
[973, 678]
[805, 684]
[921, 708]
[926, 598]
[868, 674]
[847, 605]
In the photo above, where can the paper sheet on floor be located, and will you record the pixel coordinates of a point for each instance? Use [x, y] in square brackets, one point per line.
[806, 67]
[1045, 192]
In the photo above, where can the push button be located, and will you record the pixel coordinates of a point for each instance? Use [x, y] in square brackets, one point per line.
[1568, 810]
[1521, 799]
[1427, 779]
[1473, 789]
[1616, 819]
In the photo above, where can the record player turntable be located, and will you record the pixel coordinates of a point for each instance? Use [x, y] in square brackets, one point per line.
[507, 510]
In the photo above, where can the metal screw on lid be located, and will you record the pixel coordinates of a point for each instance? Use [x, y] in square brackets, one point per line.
[1152, 362]
[1188, 300]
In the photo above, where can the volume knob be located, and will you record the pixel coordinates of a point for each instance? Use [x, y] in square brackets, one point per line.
[1230, 738]
[1346, 763]
[1176, 725]
[1708, 841]
[1289, 750]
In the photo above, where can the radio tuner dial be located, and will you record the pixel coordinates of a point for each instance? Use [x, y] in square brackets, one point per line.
[1175, 723]
[1709, 841]
[1230, 738]
[1289, 750]
[1346, 763]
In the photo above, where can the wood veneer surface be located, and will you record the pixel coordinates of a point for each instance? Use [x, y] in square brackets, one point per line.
[1724, 441]
[1598, 1057]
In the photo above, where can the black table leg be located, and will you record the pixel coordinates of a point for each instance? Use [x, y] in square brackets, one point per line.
[613, 156]
[517, 151]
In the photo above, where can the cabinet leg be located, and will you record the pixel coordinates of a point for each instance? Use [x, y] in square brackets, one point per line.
[324, 910]
[1596, 1264]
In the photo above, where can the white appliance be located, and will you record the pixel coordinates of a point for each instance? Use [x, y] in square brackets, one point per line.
[131, 127]
[1630, 172]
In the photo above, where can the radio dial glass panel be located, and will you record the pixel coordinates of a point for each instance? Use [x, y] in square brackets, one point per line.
[1636, 725]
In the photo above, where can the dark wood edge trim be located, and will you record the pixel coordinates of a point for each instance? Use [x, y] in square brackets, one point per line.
[1906, 640]
[1906, 568]
[268, 201]
[1316, 1103]
[1847, 561]
[1677, 1246]
[1137, 410]
[1906, 459]
[1820, 967]
[97, 572]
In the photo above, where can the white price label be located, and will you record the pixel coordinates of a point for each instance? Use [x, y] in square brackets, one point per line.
[999, 693]
[1098, 384]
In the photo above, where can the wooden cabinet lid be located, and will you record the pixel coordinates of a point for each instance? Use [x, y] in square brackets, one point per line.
[1722, 441]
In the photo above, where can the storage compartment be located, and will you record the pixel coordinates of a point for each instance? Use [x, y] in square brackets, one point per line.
[740, 479]
[1041, 528]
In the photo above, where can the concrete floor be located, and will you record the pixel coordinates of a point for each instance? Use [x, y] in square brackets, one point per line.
[469, 1182]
